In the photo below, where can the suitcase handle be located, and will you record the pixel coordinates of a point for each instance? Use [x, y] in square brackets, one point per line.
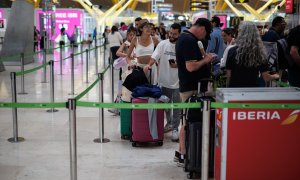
[150, 75]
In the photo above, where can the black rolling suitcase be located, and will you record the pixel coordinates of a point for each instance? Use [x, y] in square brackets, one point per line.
[193, 141]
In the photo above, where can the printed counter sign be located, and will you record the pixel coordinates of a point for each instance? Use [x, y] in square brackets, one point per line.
[64, 18]
[289, 6]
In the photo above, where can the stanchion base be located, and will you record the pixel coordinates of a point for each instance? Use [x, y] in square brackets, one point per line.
[44, 82]
[22, 93]
[52, 110]
[19, 139]
[104, 140]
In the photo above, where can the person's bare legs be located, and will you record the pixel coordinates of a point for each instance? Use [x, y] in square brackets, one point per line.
[184, 96]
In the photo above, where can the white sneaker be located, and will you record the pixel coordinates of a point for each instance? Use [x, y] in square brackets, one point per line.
[114, 111]
[175, 136]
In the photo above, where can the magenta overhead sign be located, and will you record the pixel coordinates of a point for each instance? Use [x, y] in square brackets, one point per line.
[64, 18]
[1, 14]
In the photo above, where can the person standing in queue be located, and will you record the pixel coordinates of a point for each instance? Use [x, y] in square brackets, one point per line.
[165, 56]
[191, 68]
[247, 61]
[115, 40]
[144, 46]
[293, 42]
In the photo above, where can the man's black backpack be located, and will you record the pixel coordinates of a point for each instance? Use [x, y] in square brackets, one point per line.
[284, 57]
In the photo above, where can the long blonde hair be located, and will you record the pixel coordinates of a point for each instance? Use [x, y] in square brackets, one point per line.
[251, 51]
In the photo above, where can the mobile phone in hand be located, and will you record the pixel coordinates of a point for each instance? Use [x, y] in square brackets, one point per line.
[171, 61]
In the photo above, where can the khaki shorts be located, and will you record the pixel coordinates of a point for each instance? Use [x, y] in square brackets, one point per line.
[184, 96]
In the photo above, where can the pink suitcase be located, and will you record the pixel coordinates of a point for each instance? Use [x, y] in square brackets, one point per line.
[140, 125]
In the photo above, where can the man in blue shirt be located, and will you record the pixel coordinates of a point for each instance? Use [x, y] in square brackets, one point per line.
[276, 31]
[216, 44]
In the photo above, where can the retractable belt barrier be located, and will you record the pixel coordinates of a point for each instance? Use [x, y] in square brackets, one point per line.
[32, 70]
[150, 105]
[92, 85]
[34, 53]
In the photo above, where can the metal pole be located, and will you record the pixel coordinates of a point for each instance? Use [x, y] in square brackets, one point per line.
[72, 74]
[205, 140]
[61, 58]
[73, 48]
[81, 50]
[52, 85]
[14, 110]
[22, 77]
[87, 66]
[73, 141]
[112, 81]
[104, 51]
[96, 58]
[45, 68]
[101, 138]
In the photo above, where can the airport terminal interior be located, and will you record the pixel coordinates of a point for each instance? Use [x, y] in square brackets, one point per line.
[56, 70]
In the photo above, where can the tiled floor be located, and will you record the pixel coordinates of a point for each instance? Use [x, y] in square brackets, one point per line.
[45, 153]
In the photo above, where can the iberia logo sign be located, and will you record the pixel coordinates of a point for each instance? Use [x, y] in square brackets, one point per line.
[267, 115]
[291, 118]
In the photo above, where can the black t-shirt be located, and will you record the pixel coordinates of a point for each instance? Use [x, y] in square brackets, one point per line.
[242, 76]
[187, 49]
[294, 71]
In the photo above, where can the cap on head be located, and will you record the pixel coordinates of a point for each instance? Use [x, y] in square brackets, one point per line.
[206, 23]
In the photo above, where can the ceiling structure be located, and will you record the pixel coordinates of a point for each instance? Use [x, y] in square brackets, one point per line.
[179, 6]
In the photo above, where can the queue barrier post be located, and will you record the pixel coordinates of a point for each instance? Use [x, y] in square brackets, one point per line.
[101, 138]
[72, 74]
[23, 76]
[72, 137]
[112, 80]
[205, 140]
[45, 68]
[15, 137]
[61, 58]
[87, 66]
[81, 50]
[96, 58]
[52, 85]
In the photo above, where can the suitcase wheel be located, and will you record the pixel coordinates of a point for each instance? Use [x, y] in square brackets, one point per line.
[190, 175]
[125, 137]
[134, 144]
[160, 143]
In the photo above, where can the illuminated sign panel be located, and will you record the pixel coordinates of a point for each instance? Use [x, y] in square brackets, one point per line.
[63, 18]
[1, 14]
[289, 6]
[223, 20]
